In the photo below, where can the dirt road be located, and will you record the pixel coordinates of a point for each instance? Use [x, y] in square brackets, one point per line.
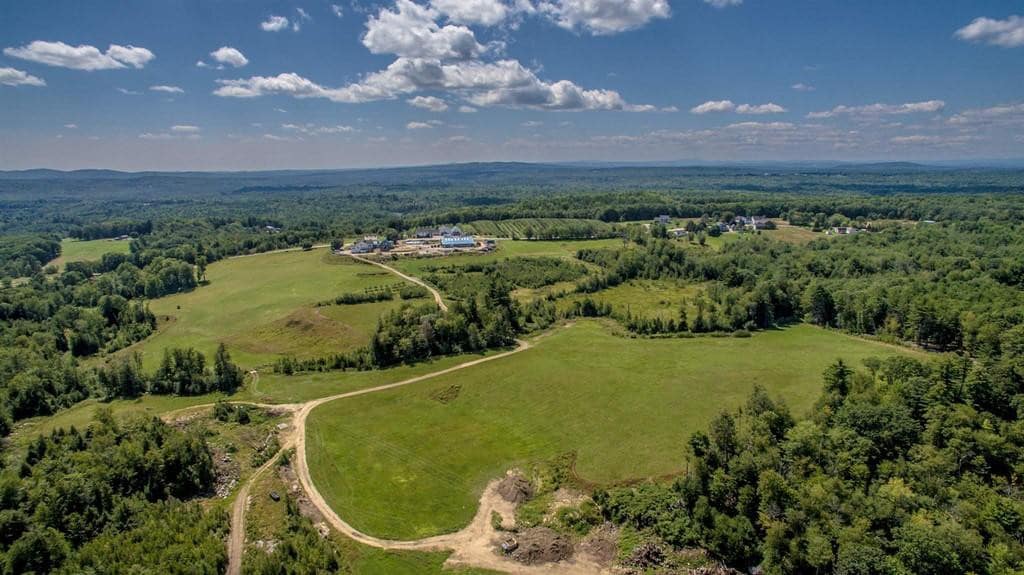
[415, 280]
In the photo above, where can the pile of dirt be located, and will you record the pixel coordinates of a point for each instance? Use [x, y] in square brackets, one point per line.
[515, 488]
[601, 544]
[226, 472]
[540, 545]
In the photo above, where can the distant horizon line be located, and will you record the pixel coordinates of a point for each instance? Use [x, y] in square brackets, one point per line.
[947, 164]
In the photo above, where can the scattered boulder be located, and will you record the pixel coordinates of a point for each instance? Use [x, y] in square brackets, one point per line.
[274, 495]
[515, 489]
[540, 545]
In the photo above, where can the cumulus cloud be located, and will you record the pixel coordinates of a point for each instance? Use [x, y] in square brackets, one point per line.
[418, 126]
[482, 12]
[167, 89]
[602, 17]
[410, 30]
[128, 92]
[230, 56]
[82, 57]
[503, 83]
[1008, 33]
[185, 129]
[759, 109]
[13, 77]
[713, 106]
[274, 24]
[881, 109]
[723, 3]
[429, 103]
[801, 87]
[467, 109]
[71, 126]
[337, 10]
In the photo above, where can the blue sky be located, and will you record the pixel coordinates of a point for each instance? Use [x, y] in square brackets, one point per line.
[242, 85]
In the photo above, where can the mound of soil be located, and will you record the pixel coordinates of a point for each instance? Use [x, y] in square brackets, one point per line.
[515, 489]
[602, 544]
[541, 545]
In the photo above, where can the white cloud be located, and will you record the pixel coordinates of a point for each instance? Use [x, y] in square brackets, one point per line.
[881, 109]
[71, 126]
[337, 10]
[412, 32]
[1003, 114]
[532, 124]
[274, 24]
[467, 109]
[723, 3]
[83, 57]
[759, 109]
[483, 12]
[670, 109]
[230, 56]
[128, 92]
[503, 83]
[429, 103]
[314, 130]
[418, 126]
[801, 87]
[180, 131]
[167, 89]
[13, 77]
[303, 17]
[713, 106]
[1007, 33]
[601, 17]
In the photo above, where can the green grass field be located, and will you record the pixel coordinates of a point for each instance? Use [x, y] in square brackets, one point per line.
[404, 464]
[645, 298]
[88, 251]
[261, 307]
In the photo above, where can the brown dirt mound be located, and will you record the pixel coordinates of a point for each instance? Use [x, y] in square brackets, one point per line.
[602, 544]
[540, 545]
[515, 489]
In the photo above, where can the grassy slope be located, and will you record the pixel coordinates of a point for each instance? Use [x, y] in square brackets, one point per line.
[401, 464]
[260, 306]
[87, 251]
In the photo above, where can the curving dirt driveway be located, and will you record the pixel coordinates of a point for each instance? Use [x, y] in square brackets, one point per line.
[415, 280]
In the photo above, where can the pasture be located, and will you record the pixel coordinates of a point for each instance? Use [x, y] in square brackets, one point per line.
[412, 462]
[261, 307]
[72, 250]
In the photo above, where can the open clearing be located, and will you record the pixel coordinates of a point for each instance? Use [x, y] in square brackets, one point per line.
[72, 250]
[261, 307]
[412, 462]
[645, 298]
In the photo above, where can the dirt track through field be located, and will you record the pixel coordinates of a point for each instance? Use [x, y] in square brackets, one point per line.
[415, 280]
[473, 546]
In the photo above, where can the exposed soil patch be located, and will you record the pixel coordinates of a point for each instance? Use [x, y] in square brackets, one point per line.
[515, 488]
[446, 395]
[601, 545]
[226, 472]
[539, 545]
[306, 507]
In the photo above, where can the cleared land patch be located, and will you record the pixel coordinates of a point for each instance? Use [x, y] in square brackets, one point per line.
[261, 307]
[72, 250]
[401, 464]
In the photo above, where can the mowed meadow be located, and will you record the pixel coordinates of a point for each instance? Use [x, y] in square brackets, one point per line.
[72, 250]
[263, 307]
[412, 462]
